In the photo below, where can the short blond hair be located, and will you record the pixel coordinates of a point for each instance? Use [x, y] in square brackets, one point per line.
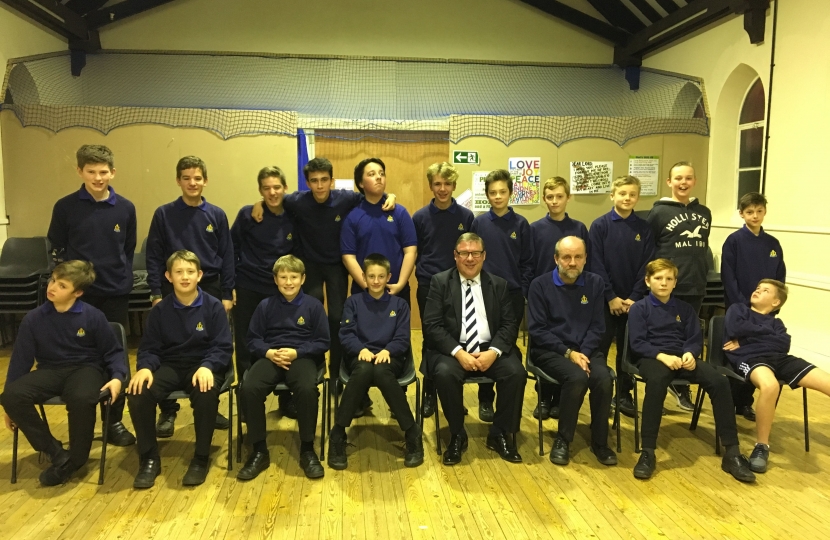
[289, 263]
[683, 164]
[781, 290]
[184, 256]
[658, 265]
[555, 182]
[626, 180]
[445, 170]
[79, 273]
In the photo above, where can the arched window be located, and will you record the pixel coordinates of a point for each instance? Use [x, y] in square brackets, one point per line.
[751, 126]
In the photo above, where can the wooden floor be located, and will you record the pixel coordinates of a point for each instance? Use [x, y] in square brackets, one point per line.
[483, 497]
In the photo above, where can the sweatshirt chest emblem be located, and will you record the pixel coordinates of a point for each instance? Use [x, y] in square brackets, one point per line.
[289, 237]
[390, 219]
[693, 234]
[301, 321]
[584, 300]
[393, 314]
[678, 319]
[773, 253]
[460, 226]
[637, 238]
[116, 228]
[209, 228]
[337, 218]
[200, 327]
[81, 332]
[513, 235]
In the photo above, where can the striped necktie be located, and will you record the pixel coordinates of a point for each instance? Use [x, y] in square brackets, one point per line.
[470, 325]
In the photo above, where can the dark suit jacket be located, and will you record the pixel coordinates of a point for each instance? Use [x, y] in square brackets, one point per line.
[443, 316]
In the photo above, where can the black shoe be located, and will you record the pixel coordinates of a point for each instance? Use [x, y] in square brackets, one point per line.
[166, 424]
[542, 409]
[554, 412]
[337, 452]
[458, 443]
[196, 473]
[57, 475]
[626, 405]
[287, 406]
[604, 454]
[221, 422]
[738, 467]
[683, 396]
[747, 412]
[414, 448]
[311, 465]
[759, 458]
[560, 454]
[506, 450]
[117, 435]
[148, 469]
[256, 463]
[485, 412]
[645, 465]
[428, 408]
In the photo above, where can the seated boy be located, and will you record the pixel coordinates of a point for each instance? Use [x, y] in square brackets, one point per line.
[187, 345]
[375, 337]
[77, 358]
[665, 337]
[289, 334]
[758, 345]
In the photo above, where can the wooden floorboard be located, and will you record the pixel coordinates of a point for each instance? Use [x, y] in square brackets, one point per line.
[482, 498]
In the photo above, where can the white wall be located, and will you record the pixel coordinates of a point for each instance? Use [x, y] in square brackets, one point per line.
[797, 212]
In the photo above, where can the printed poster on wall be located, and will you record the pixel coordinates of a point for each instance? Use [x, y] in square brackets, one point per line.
[591, 177]
[647, 170]
[480, 203]
[526, 173]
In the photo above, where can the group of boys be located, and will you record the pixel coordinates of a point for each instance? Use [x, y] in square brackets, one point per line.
[283, 333]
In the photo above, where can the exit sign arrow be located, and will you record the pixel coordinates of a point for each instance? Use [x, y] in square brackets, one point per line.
[465, 157]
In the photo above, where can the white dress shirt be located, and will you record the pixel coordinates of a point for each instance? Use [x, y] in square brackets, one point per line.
[482, 325]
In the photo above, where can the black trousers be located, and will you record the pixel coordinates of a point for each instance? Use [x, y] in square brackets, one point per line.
[246, 303]
[575, 384]
[364, 375]
[336, 279]
[116, 309]
[694, 300]
[658, 376]
[615, 331]
[264, 375]
[421, 294]
[486, 392]
[167, 379]
[211, 286]
[742, 393]
[78, 386]
[510, 377]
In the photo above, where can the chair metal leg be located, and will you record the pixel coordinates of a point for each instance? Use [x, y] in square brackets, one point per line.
[806, 423]
[40, 455]
[423, 400]
[239, 435]
[437, 427]
[636, 420]
[617, 414]
[698, 407]
[418, 413]
[104, 436]
[325, 419]
[539, 408]
[14, 456]
[230, 429]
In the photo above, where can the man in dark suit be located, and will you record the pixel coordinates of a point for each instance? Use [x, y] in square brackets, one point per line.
[472, 330]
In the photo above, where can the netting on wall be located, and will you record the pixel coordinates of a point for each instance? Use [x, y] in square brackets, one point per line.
[244, 94]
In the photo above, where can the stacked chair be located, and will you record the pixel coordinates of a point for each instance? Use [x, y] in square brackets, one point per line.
[25, 264]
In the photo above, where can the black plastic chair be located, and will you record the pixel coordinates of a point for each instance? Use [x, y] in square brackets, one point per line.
[104, 397]
[719, 361]
[282, 387]
[227, 385]
[407, 377]
[24, 271]
[634, 372]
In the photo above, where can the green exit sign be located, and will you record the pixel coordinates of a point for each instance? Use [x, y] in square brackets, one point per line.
[464, 157]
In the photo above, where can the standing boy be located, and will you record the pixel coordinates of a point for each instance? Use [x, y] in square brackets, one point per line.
[680, 225]
[76, 354]
[510, 248]
[289, 334]
[749, 255]
[186, 345]
[190, 223]
[95, 224]
[437, 226]
[621, 246]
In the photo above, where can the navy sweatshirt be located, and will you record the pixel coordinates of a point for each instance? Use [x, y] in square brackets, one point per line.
[618, 253]
[103, 233]
[746, 259]
[81, 335]
[368, 229]
[437, 231]
[375, 324]
[300, 324]
[682, 236]
[561, 317]
[508, 242]
[201, 229]
[759, 335]
[318, 225]
[186, 336]
[257, 246]
[670, 328]
[546, 233]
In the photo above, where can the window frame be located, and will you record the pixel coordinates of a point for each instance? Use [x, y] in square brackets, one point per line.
[744, 127]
